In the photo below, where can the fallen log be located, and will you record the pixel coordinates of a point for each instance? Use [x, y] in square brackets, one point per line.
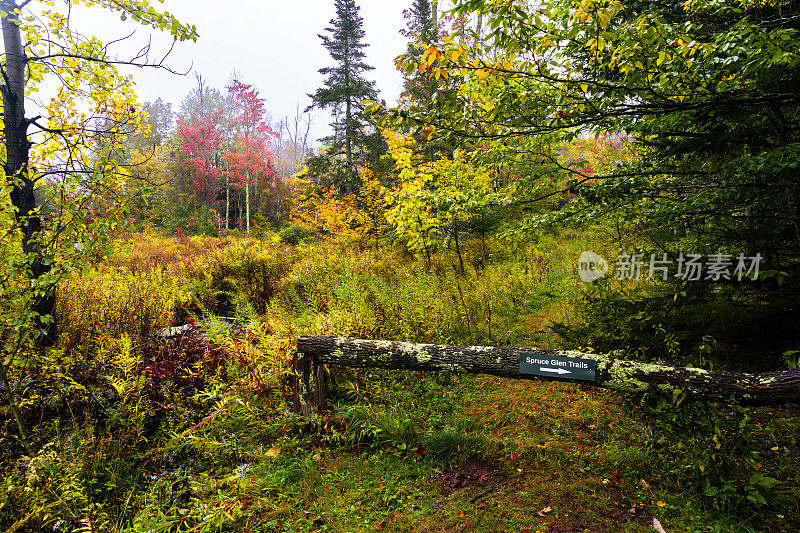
[314, 351]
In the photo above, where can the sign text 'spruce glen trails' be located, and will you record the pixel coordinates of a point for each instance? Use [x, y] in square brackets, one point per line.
[552, 366]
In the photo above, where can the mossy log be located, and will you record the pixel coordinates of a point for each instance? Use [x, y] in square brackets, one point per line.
[313, 351]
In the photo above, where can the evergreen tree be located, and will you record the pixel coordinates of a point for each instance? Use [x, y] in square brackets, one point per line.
[344, 89]
[421, 32]
[420, 22]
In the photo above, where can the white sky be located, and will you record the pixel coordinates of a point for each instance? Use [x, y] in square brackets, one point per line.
[273, 44]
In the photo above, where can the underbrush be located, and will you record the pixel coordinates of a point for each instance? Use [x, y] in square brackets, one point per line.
[381, 294]
[143, 424]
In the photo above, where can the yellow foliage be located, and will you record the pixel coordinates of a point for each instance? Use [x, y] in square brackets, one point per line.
[348, 218]
[373, 203]
[432, 194]
[115, 301]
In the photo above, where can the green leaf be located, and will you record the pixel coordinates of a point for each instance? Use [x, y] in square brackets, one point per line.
[764, 481]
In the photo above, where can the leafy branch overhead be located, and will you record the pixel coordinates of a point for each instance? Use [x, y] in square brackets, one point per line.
[703, 94]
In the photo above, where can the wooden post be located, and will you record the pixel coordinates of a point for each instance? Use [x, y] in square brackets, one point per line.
[769, 388]
[309, 389]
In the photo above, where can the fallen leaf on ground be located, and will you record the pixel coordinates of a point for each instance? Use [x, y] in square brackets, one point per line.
[660, 503]
[544, 511]
[272, 452]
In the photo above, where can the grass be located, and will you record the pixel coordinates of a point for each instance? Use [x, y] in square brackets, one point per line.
[202, 440]
[566, 451]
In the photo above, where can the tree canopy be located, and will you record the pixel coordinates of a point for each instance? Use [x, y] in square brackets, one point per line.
[706, 95]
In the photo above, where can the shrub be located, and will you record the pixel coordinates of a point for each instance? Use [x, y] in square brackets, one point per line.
[294, 234]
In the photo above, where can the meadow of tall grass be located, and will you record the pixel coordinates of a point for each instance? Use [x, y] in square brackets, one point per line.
[136, 430]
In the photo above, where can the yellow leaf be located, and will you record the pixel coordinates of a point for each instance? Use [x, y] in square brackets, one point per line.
[272, 452]
[660, 503]
[430, 55]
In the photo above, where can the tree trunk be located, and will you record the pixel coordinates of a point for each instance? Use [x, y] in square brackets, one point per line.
[435, 17]
[448, 233]
[16, 166]
[227, 202]
[458, 246]
[770, 388]
[247, 201]
[18, 174]
[348, 133]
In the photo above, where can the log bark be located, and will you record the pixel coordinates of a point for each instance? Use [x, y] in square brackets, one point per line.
[313, 351]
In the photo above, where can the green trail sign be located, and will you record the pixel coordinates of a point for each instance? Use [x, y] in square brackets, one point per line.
[555, 366]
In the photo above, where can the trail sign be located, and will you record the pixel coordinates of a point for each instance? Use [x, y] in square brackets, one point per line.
[596, 370]
[555, 366]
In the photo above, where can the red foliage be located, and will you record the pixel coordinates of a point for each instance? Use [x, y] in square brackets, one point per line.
[596, 151]
[251, 152]
[169, 359]
[200, 141]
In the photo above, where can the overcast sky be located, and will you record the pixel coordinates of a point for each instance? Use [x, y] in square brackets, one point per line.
[272, 44]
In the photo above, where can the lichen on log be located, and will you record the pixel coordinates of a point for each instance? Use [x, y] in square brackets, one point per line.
[770, 388]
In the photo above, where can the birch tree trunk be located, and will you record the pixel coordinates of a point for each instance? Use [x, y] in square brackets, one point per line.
[247, 201]
[435, 17]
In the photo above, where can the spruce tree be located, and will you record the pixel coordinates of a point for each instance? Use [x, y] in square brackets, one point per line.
[344, 89]
[421, 32]
[420, 22]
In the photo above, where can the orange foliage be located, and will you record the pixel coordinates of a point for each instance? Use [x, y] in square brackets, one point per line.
[350, 217]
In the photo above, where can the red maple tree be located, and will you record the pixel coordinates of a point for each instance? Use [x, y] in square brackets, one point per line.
[250, 156]
[199, 140]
